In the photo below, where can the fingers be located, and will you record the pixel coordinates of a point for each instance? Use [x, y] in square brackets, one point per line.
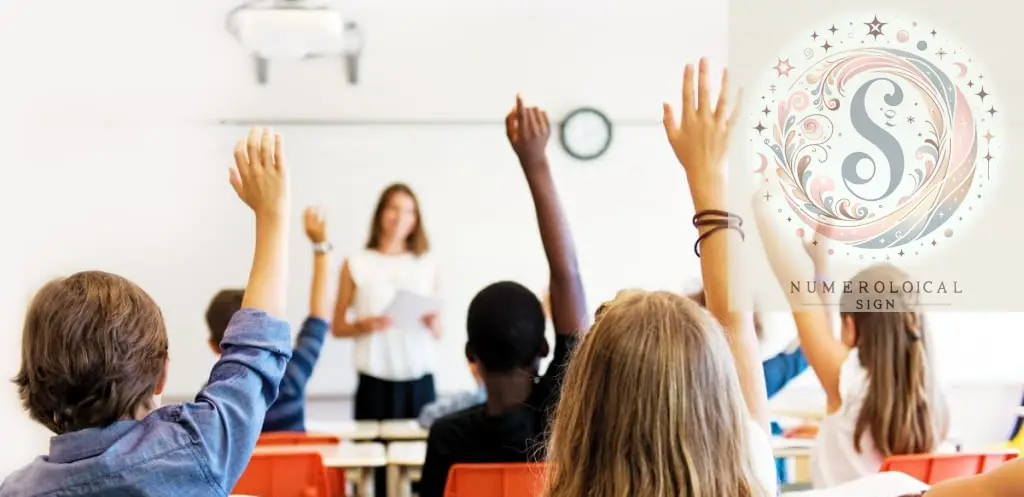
[235, 179]
[668, 118]
[267, 149]
[241, 159]
[533, 116]
[520, 110]
[253, 148]
[703, 92]
[278, 152]
[545, 124]
[511, 125]
[735, 115]
[723, 92]
[688, 91]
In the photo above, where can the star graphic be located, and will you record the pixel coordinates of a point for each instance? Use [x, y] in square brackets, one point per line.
[789, 219]
[814, 35]
[961, 219]
[910, 120]
[901, 253]
[934, 32]
[826, 46]
[988, 156]
[941, 53]
[767, 196]
[981, 76]
[875, 28]
[766, 111]
[772, 87]
[933, 243]
[887, 257]
[833, 29]
[992, 111]
[783, 67]
[989, 136]
[982, 94]
[759, 127]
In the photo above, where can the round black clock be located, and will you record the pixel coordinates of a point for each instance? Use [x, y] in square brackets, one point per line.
[586, 133]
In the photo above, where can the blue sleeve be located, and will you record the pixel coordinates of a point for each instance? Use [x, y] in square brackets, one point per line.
[781, 369]
[227, 414]
[304, 357]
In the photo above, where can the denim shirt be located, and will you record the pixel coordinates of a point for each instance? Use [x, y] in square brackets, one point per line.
[195, 449]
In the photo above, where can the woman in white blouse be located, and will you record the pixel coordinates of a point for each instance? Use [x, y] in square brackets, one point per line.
[395, 365]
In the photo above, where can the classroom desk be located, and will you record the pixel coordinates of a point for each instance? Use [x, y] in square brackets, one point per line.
[356, 459]
[360, 431]
[797, 449]
[402, 429]
[405, 463]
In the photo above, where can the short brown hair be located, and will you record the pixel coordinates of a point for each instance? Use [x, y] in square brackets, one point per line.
[223, 306]
[92, 352]
[417, 241]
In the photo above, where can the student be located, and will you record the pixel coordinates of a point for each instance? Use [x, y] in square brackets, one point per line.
[506, 335]
[287, 413]
[882, 395]
[660, 400]
[779, 370]
[94, 362]
[441, 408]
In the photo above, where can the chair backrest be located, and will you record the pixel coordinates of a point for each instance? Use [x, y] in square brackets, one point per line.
[934, 468]
[296, 438]
[284, 475]
[495, 480]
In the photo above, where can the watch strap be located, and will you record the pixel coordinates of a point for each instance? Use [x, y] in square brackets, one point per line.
[323, 247]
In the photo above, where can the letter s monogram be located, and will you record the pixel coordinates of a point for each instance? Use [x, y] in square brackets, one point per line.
[880, 138]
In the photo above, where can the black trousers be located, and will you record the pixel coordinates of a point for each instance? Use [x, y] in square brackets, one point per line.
[378, 399]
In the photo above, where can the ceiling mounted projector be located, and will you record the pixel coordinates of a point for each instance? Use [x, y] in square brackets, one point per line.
[295, 30]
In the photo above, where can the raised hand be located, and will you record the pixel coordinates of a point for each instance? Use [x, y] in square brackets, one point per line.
[316, 228]
[259, 177]
[700, 136]
[528, 130]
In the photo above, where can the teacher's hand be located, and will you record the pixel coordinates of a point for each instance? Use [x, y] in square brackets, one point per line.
[370, 325]
[431, 322]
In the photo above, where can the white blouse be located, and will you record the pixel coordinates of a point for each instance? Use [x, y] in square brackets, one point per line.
[762, 458]
[393, 354]
[834, 460]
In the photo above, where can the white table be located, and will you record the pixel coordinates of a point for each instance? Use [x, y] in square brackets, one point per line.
[357, 459]
[346, 430]
[405, 465]
[797, 449]
[402, 429]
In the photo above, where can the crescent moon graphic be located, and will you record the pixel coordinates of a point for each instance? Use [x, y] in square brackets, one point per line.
[764, 164]
[962, 67]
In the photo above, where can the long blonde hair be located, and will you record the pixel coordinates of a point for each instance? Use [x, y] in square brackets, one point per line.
[651, 406]
[898, 410]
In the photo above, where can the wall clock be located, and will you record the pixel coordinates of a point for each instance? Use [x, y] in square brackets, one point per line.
[586, 133]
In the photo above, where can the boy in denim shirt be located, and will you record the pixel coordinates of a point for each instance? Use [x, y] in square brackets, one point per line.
[94, 360]
[288, 412]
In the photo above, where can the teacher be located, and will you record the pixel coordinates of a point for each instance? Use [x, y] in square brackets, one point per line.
[395, 365]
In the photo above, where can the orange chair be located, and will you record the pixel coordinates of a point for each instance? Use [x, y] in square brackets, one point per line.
[284, 475]
[495, 480]
[934, 468]
[296, 438]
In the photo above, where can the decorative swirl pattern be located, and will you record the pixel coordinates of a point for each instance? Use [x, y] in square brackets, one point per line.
[868, 200]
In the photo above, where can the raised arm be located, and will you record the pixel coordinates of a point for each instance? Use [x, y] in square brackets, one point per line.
[229, 411]
[700, 140]
[319, 293]
[1004, 481]
[528, 130]
[824, 352]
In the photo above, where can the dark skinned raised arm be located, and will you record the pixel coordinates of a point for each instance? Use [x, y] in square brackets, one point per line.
[528, 130]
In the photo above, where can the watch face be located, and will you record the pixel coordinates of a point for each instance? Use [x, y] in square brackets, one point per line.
[586, 134]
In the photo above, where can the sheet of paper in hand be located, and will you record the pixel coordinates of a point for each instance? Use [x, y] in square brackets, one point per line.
[407, 310]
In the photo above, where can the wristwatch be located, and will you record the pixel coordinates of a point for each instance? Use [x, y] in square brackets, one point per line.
[323, 247]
